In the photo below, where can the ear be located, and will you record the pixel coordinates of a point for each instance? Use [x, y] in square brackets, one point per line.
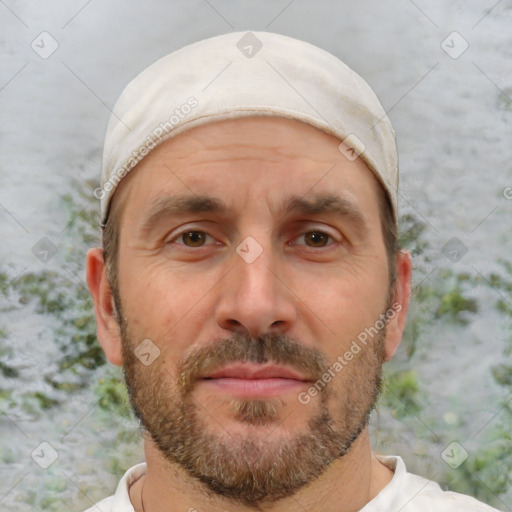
[109, 333]
[399, 303]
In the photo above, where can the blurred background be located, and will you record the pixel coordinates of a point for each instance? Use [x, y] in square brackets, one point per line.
[443, 72]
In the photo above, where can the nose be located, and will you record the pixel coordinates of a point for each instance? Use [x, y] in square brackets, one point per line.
[255, 298]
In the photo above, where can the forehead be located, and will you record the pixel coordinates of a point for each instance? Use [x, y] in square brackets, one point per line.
[244, 158]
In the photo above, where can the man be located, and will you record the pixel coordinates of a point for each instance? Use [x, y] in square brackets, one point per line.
[250, 281]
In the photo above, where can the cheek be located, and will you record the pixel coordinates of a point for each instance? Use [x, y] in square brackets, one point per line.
[345, 298]
[162, 302]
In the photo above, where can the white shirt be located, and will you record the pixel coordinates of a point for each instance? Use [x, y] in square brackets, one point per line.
[405, 493]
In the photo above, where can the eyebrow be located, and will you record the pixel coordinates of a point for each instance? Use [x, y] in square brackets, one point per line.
[175, 205]
[328, 203]
[168, 206]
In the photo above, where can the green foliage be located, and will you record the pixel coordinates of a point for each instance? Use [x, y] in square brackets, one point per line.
[44, 288]
[502, 374]
[401, 393]
[83, 213]
[70, 303]
[504, 102]
[62, 295]
[113, 396]
[6, 370]
[411, 234]
[445, 290]
[503, 285]
[44, 400]
[440, 294]
[453, 303]
[487, 474]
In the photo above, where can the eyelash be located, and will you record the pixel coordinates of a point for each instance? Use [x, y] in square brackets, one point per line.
[183, 233]
[180, 235]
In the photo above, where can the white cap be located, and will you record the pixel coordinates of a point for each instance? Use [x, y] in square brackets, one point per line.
[244, 74]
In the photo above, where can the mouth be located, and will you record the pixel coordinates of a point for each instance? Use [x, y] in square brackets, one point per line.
[249, 380]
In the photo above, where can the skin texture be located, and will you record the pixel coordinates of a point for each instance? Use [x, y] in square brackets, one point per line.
[195, 296]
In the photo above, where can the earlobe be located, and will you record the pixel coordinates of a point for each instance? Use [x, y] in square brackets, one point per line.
[399, 303]
[109, 334]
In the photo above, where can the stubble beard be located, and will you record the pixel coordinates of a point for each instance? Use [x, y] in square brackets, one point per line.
[259, 466]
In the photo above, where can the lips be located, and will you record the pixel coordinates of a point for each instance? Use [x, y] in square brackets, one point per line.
[250, 371]
[249, 380]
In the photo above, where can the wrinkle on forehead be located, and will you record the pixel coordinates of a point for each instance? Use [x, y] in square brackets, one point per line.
[275, 137]
[203, 152]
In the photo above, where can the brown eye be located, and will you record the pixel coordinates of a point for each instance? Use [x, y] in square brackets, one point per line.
[316, 239]
[194, 238]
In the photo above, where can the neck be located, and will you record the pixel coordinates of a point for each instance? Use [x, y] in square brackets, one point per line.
[347, 485]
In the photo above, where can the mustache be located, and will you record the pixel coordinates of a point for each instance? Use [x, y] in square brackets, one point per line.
[268, 348]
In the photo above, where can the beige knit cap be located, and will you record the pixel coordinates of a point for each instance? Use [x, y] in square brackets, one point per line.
[244, 74]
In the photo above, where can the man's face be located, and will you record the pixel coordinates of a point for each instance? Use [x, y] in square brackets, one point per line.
[251, 255]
